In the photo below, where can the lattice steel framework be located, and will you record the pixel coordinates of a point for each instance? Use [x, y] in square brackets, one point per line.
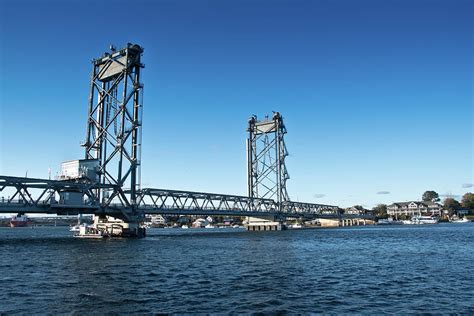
[45, 196]
[114, 123]
[266, 153]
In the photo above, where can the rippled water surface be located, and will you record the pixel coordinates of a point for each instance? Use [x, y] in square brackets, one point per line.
[346, 270]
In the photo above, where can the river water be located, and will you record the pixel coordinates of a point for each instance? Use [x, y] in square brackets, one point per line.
[397, 269]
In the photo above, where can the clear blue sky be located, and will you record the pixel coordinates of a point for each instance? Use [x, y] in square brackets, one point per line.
[377, 95]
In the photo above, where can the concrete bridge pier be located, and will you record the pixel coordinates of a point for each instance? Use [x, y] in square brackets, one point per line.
[266, 223]
[347, 222]
[353, 222]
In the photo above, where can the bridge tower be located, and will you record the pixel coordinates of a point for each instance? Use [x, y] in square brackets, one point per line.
[266, 169]
[266, 153]
[114, 126]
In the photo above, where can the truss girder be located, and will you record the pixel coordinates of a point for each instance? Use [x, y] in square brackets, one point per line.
[169, 201]
[154, 201]
[48, 193]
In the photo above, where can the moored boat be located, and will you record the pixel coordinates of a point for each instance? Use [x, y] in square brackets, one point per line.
[460, 220]
[20, 221]
[420, 219]
[389, 221]
[90, 232]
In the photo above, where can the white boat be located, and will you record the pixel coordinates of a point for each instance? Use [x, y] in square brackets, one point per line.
[90, 236]
[209, 226]
[420, 219]
[296, 226]
[185, 227]
[407, 222]
[20, 221]
[90, 232]
[389, 221]
[460, 220]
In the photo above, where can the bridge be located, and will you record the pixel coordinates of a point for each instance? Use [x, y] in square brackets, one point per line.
[106, 183]
[150, 201]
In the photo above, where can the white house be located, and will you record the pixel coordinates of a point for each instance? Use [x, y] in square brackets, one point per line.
[356, 210]
[414, 208]
[155, 220]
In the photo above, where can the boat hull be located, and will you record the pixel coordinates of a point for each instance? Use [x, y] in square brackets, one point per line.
[90, 236]
[15, 223]
[460, 221]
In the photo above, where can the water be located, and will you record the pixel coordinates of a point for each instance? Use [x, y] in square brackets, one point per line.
[347, 270]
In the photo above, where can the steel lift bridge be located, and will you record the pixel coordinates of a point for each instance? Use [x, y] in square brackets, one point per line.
[106, 182]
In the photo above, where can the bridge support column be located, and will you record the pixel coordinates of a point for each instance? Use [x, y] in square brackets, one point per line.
[263, 224]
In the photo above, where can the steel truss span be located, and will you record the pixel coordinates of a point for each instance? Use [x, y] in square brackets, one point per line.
[48, 196]
[184, 202]
[29, 195]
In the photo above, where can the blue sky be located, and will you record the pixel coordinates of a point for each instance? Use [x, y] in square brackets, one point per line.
[377, 95]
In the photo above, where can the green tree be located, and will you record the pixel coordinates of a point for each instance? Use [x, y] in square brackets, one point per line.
[468, 201]
[430, 196]
[451, 205]
[380, 211]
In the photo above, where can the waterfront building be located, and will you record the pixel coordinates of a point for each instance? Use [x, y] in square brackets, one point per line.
[414, 208]
[356, 210]
[200, 223]
[155, 220]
